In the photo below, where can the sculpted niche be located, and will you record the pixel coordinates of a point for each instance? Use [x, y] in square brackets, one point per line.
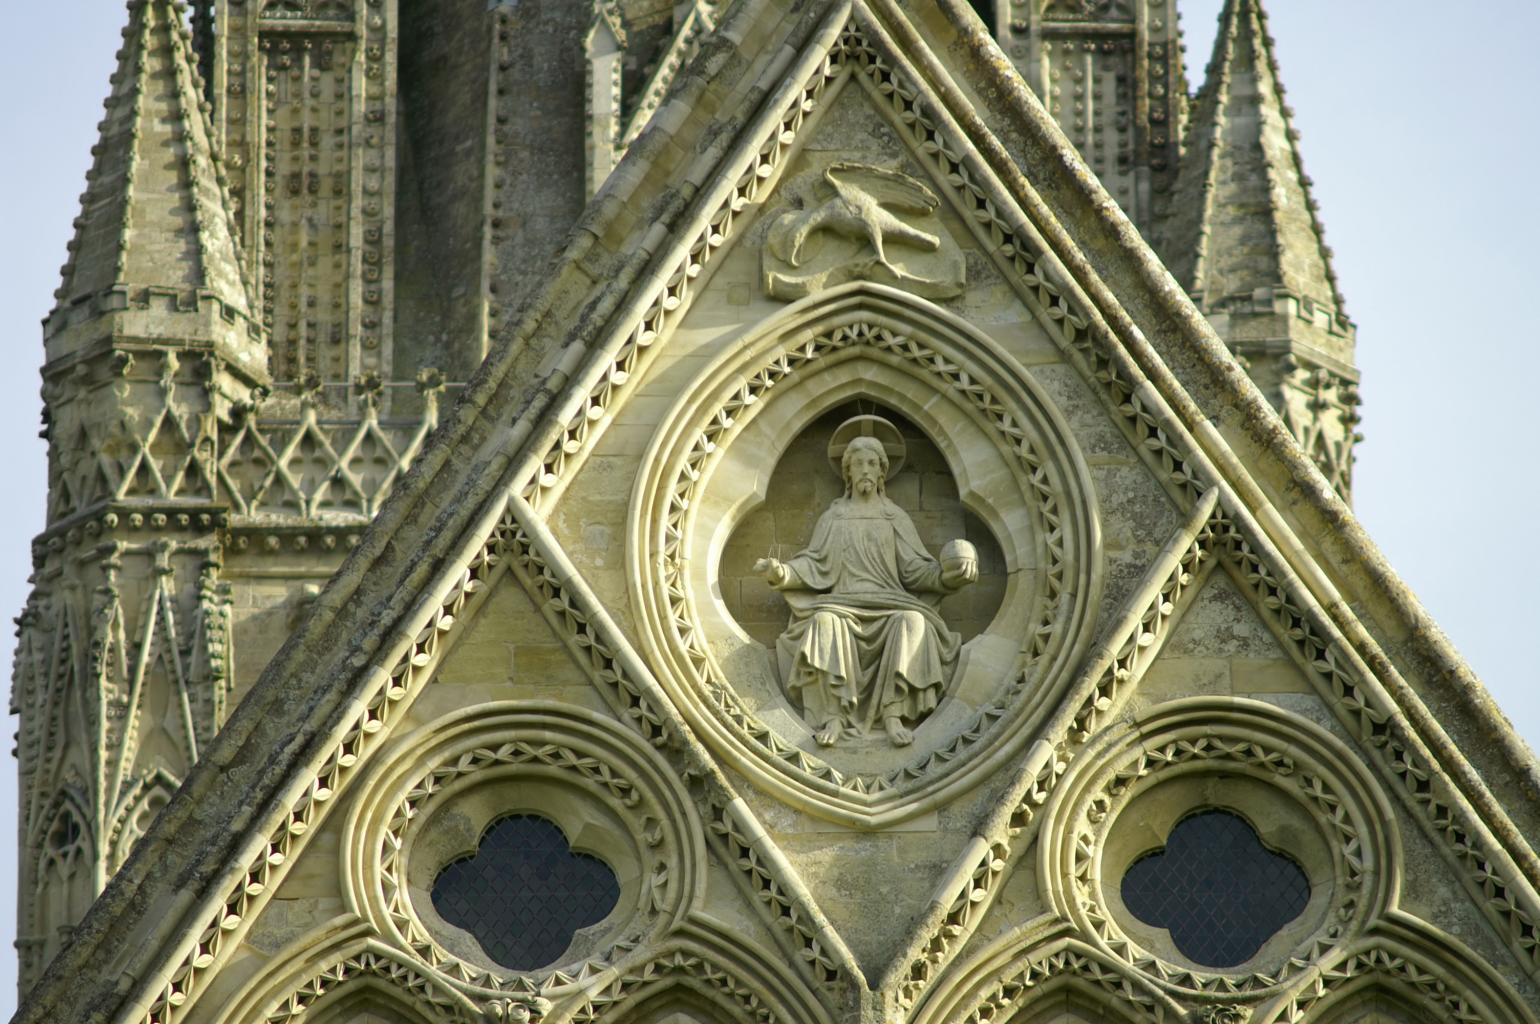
[865, 552]
[866, 642]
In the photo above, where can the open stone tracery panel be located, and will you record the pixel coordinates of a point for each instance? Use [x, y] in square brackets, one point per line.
[1015, 471]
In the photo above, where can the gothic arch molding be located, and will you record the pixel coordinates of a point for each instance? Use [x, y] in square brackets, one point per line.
[139, 807]
[1292, 778]
[1414, 962]
[1010, 979]
[606, 790]
[312, 977]
[380, 999]
[1022, 475]
[713, 966]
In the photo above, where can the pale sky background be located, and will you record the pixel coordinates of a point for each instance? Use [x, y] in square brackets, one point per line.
[1418, 128]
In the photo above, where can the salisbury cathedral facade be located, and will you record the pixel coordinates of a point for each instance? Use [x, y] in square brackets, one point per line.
[771, 512]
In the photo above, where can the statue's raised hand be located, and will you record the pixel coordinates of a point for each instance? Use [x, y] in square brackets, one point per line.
[773, 571]
[956, 579]
[959, 565]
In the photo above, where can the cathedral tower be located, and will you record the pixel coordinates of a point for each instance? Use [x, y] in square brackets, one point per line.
[123, 666]
[849, 567]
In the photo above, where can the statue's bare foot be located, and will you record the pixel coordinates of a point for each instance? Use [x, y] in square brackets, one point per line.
[830, 733]
[897, 734]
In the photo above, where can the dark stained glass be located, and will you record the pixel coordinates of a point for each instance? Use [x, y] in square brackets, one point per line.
[1217, 889]
[523, 894]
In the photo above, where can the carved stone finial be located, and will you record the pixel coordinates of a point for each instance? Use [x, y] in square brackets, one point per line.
[371, 387]
[1229, 1013]
[430, 380]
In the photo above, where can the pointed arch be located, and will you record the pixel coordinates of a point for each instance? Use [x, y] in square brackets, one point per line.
[145, 799]
[324, 981]
[1025, 979]
[1405, 962]
[1073, 1000]
[65, 875]
[1376, 1004]
[67, 840]
[703, 968]
[368, 999]
[679, 999]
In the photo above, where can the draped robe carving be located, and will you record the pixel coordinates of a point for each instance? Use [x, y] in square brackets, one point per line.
[866, 641]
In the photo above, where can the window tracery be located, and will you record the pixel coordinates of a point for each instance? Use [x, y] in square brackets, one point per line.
[525, 893]
[1216, 888]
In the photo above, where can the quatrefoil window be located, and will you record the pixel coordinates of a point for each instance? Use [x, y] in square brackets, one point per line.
[524, 893]
[1219, 892]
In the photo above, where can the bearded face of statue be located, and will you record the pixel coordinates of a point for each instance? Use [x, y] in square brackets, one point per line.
[866, 467]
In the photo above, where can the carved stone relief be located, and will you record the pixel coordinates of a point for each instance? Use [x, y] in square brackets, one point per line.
[866, 643]
[864, 693]
[861, 222]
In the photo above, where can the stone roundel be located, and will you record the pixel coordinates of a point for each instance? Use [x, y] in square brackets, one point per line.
[1300, 792]
[1016, 468]
[433, 798]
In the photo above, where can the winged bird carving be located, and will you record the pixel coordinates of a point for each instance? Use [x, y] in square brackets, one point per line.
[863, 209]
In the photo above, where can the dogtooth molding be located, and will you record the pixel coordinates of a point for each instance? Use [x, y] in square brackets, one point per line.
[890, 347]
[1181, 462]
[511, 746]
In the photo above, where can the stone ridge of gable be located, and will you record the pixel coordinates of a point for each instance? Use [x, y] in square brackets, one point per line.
[1190, 367]
[279, 732]
[450, 490]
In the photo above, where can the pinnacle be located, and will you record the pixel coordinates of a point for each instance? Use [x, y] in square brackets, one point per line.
[1242, 219]
[155, 212]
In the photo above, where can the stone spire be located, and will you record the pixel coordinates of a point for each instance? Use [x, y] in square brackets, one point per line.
[155, 216]
[123, 670]
[1242, 235]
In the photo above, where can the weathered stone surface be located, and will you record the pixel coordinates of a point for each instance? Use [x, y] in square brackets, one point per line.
[367, 641]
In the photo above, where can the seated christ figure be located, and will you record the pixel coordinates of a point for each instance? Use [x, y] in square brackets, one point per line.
[865, 641]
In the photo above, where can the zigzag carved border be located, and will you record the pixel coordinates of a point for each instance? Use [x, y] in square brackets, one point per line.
[1150, 425]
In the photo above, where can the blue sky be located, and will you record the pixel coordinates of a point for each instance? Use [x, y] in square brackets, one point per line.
[1417, 128]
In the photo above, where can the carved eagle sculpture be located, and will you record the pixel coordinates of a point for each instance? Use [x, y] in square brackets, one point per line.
[862, 209]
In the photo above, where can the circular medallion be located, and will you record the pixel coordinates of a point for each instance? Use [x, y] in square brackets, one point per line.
[1219, 847]
[521, 844]
[897, 630]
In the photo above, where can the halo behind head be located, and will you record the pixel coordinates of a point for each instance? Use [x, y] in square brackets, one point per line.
[876, 427]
